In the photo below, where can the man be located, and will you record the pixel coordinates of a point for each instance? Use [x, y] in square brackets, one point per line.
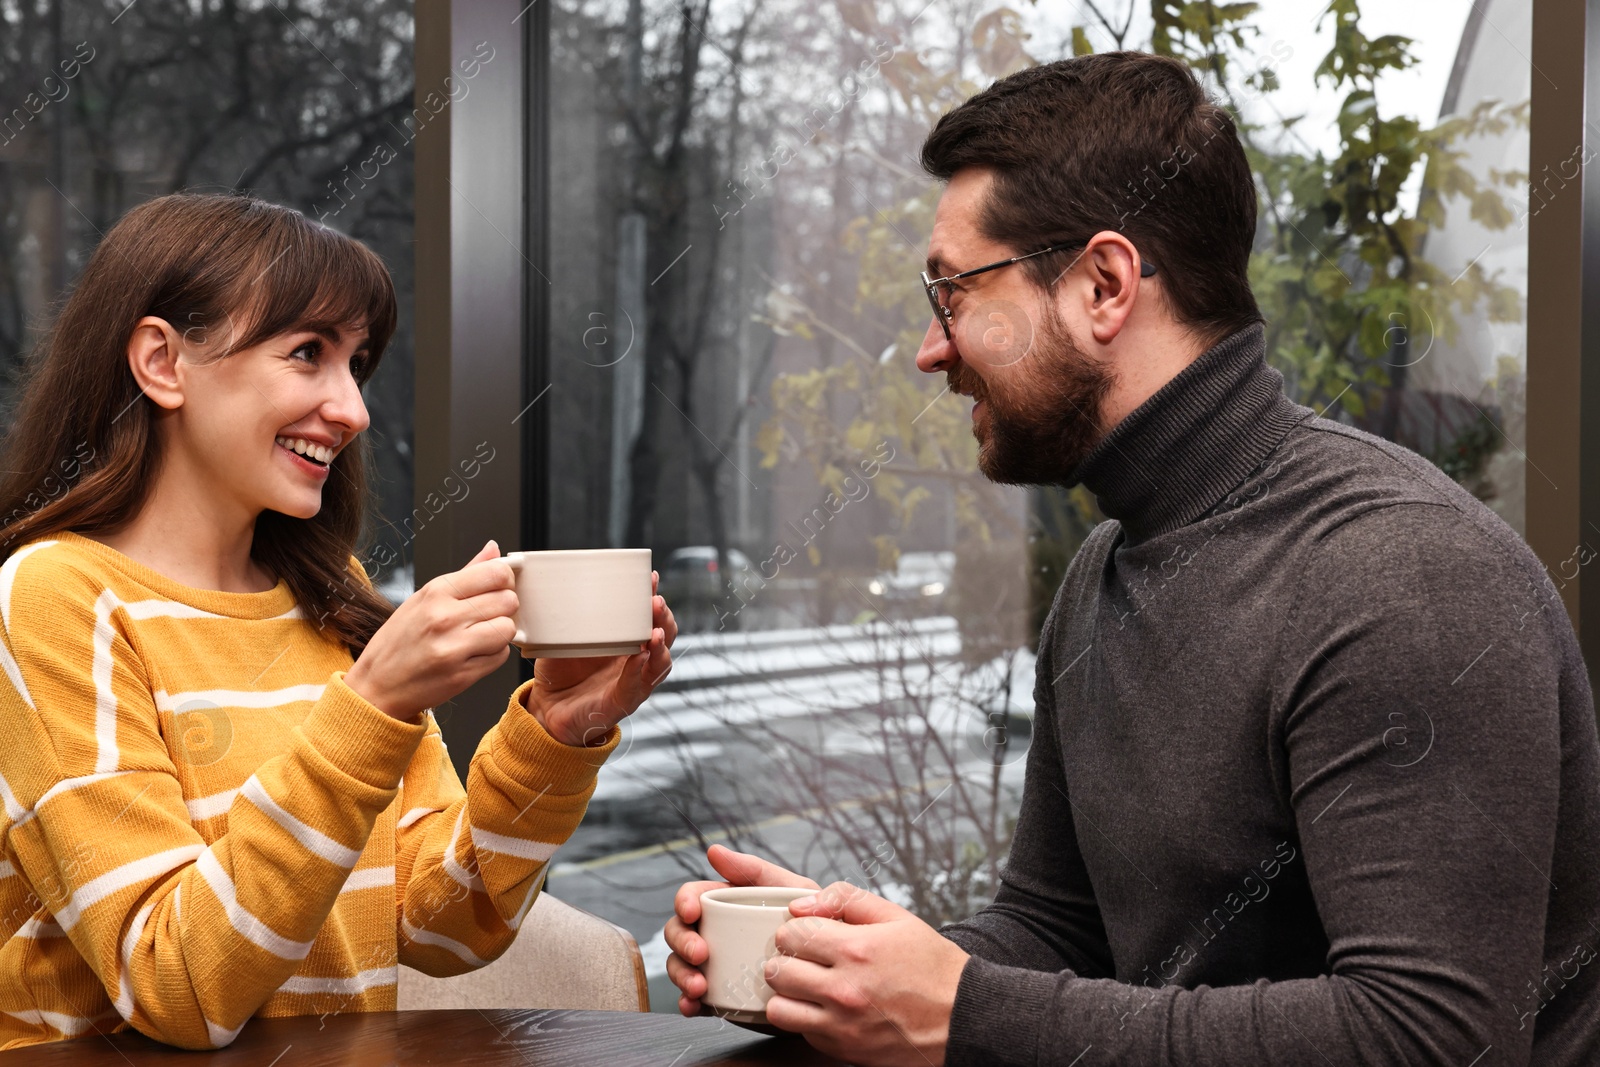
[1314, 776]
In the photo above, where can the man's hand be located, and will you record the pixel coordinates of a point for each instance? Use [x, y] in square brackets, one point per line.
[577, 701]
[688, 948]
[864, 980]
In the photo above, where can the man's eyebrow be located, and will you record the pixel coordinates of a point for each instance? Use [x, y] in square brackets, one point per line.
[935, 265]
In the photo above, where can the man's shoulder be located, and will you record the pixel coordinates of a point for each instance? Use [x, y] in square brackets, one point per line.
[1378, 522]
[1352, 486]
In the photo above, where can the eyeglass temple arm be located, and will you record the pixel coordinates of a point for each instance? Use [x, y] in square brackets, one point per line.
[1146, 268]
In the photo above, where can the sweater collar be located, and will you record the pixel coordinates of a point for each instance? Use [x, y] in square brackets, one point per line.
[1197, 438]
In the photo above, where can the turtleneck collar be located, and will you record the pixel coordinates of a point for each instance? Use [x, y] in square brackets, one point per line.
[1181, 451]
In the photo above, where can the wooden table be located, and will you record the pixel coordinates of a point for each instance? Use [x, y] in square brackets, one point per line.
[489, 1038]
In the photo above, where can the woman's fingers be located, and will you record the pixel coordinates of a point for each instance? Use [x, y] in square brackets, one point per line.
[663, 618]
[482, 576]
[658, 661]
[481, 664]
[492, 603]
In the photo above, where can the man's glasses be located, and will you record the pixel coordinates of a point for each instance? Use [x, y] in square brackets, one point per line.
[941, 307]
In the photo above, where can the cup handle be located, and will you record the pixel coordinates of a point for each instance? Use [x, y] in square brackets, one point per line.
[514, 561]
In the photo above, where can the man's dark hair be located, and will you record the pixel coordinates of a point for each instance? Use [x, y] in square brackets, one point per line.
[1123, 141]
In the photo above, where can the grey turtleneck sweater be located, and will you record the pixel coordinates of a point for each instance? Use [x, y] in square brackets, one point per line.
[1314, 777]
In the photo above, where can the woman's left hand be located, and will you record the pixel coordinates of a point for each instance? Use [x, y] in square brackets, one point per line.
[577, 701]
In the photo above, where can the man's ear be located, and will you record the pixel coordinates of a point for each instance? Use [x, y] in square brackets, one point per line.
[1111, 265]
[153, 356]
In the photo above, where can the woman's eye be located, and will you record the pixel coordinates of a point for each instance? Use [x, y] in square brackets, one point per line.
[311, 349]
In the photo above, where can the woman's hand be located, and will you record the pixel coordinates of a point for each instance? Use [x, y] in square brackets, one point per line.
[577, 701]
[441, 639]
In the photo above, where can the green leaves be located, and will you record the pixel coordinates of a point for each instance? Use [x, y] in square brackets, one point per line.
[1339, 269]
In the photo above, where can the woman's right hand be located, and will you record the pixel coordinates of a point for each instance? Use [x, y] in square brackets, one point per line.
[441, 639]
[688, 947]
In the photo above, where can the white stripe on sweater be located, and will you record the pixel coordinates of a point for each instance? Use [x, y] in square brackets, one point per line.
[35, 929]
[527, 902]
[169, 609]
[310, 838]
[522, 848]
[14, 809]
[368, 878]
[124, 999]
[428, 937]
[212, 806]
[413, 815]
[67, 785]
[457, 872]
[240, 698]
[253, 929]
[220, 1036]
[173, 609]
[359, 983]
[105, 699]
[8, 575]
[119, 878]
[70, 1025]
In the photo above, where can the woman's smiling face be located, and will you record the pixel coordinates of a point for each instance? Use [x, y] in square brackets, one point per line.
[258, 424]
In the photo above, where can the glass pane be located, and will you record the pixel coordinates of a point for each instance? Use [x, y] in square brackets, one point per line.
[738, 217]
[1426, 152]
[307, 107]
[735, 313]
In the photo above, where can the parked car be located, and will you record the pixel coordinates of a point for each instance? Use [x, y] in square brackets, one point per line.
[692, 583]
[919, 585]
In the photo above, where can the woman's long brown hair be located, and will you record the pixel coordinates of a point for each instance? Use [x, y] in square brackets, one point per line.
[227, 272]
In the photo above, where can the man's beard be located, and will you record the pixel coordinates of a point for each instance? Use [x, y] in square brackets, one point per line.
[1042, 426]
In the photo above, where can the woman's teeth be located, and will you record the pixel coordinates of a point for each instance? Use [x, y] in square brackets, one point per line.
[309, 449]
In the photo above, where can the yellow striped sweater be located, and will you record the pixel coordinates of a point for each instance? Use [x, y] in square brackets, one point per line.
[203, 822]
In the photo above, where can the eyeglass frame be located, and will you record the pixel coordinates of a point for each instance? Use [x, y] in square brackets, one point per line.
[945, 315]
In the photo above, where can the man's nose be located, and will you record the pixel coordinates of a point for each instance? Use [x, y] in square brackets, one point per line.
[938, 353]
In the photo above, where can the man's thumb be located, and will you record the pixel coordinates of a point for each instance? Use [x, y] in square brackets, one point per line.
[741, 868]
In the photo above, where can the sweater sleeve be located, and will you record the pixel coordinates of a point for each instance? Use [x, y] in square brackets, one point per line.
[1044, 916]
[188, 939]
[1428, 851]
[470, 862]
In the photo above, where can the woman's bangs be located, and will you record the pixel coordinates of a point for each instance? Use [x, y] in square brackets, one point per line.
[315, 279]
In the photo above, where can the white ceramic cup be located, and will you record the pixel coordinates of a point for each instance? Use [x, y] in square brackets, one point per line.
[582, 602]
[739, 924]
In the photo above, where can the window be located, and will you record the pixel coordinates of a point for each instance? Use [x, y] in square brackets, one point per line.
[736, 220]
[305, 106]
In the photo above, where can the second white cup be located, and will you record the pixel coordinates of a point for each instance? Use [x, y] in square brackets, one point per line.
[739, 925]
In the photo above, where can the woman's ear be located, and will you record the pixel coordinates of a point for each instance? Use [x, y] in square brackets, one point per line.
[153, 355]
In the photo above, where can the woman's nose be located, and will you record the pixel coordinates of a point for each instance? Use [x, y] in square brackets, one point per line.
[348, 408]
[938, 353]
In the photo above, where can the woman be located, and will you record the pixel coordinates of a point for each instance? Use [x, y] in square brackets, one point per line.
[224, 791]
